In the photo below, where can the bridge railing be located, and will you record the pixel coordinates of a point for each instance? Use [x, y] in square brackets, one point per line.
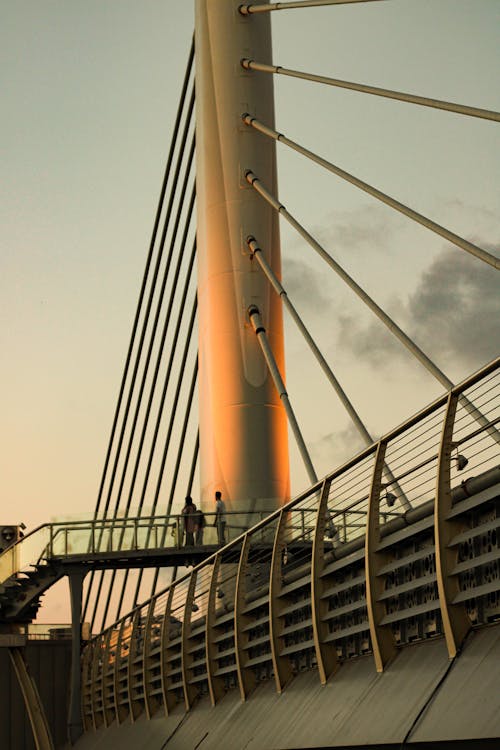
[103, 536]
[362, 562]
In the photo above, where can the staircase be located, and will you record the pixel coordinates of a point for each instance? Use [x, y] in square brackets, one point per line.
[21, 593]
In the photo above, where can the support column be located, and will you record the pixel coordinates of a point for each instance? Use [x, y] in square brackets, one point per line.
[243, 432]
[382, 638]
[75, 723]
[456, 623]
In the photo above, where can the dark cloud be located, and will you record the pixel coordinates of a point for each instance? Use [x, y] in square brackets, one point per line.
[305, 286]
[360, 231]
[456, 307]
[363, 229]
[453, 313]
[373, 342]
[335, 448]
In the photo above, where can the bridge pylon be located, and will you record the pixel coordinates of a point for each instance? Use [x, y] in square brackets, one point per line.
[243, 430]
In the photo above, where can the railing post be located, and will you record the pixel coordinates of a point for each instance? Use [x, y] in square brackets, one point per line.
[108, 705]
[134, 705]
[246, 678]
[215, 684]
[96, 714]
[282, 667]
[150, 702]
[186, 658]
[165, 638]
[120, 711]
[456, 623]
[383, 642]
[87, 687]
[326, 654]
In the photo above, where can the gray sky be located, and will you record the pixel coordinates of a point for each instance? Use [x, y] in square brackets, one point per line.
[89, 92]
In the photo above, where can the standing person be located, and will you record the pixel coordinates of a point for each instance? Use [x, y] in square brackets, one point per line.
[188, 516]
[220, 518]
[199, 526]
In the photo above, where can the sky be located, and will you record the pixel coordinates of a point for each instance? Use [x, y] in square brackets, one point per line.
[89, 94]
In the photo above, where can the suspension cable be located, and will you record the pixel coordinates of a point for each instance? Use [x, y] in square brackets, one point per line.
[194, 462]
[254, 181]
[146, 270]
[167, 440]
[168, 167]
[173, 348]
[157, 427]
[162, 400]
[259, 257]
[149, 350]
[256, 321]
[174, 408]
[163, 335]
[182, 438]
[150, 299]
[356, 419]
[159, 355]
[424, 101]
[460, 242]
[248, 9]
[180, 452]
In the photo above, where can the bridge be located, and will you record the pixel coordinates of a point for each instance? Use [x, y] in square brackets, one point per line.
[375, 590]
[37, 561]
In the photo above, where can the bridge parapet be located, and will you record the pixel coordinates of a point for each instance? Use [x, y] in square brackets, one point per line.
[341, 571]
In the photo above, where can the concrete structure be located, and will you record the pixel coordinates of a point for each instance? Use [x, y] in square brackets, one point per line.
[49, 664]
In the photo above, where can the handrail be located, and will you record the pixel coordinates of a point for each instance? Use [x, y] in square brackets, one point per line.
[371, 450]
[97, 536]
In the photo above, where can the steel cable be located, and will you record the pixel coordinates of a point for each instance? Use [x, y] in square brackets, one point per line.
[159, 210]
[157, 366]
[173, 190]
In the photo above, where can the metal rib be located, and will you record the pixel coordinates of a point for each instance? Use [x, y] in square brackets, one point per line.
[460, 242]
[402, 96]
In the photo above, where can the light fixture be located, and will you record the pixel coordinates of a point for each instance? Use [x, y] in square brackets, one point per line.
[461, 460]
[195, 607]
[390, 499]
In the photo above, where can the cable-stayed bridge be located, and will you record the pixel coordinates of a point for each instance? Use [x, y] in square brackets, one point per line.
[396, 547]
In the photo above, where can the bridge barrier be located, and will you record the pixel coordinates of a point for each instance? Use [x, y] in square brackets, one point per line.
[341, 571]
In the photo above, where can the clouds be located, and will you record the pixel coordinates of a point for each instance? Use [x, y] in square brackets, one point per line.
[457, 307]
[361, 230]
[453, 313]
[358, 233]
[334, 448]
[305, 287]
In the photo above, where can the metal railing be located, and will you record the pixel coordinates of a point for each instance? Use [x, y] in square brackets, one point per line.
[339, 571]
[102, 536]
